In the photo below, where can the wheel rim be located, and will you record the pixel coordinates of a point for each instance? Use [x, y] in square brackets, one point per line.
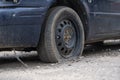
[66, 38]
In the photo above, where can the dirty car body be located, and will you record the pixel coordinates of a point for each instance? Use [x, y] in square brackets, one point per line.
[22, 21]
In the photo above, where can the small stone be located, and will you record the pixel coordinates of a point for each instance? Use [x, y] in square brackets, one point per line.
[109, 49]
[38, 66]
[52, 64]
[119, 50]
[69, 65]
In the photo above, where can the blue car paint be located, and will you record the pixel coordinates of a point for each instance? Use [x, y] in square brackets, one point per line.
[21, 23]
[104, 19]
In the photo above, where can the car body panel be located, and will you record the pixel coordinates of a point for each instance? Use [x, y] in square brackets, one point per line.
[103, 19]
[20, 24]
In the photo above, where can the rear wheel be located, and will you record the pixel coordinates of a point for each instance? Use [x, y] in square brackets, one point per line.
[63, 36]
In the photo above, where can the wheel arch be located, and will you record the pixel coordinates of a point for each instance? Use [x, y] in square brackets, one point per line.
[79, 6]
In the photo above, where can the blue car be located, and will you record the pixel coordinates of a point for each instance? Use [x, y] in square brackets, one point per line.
[58, 29]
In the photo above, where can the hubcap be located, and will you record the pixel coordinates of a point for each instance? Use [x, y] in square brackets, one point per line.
[65, 37]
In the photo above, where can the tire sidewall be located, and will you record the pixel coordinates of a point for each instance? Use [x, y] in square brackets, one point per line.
[57, 15]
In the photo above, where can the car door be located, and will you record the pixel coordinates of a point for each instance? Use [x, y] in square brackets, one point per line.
[105, 17]
[20, 22]
[114, 14]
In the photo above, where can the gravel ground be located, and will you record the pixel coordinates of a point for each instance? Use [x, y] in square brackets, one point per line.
[97, 63]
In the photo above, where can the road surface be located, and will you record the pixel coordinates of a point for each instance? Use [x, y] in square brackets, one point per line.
[97, 63]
